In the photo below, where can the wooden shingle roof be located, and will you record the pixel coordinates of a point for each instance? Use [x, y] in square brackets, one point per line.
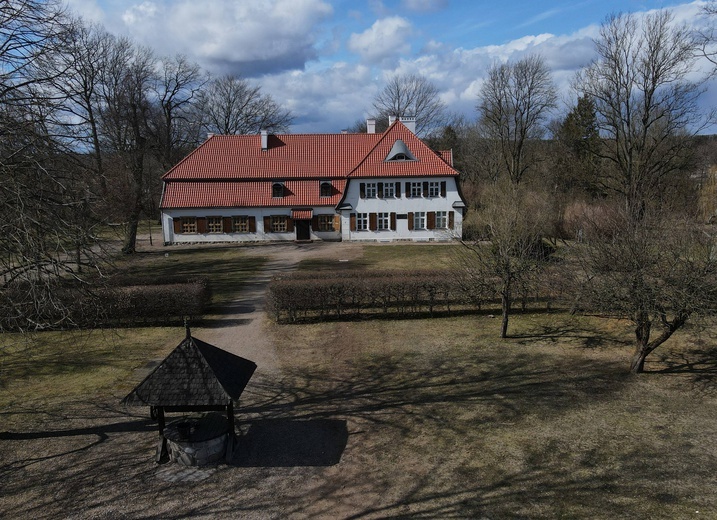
[195, 373]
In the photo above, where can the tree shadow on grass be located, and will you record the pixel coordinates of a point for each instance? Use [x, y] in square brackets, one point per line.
[701, 365]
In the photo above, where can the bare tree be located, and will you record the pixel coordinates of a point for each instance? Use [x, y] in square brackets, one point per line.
[231, 105]
[515, 102]
[410, 95]
[177, 88]
[128, 78]
[658, 272]
[515, 220]
[646, 107]
[47, 212]
[647, 260]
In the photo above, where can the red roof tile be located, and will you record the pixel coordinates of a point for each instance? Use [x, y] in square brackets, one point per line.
[427, 161]
[234, 171]
[211, 194]
[302, 214]
[288, 156]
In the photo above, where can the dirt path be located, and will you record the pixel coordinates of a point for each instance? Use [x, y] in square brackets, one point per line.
[241, 328]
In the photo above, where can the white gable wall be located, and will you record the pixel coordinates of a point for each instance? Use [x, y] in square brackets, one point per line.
[402, 206]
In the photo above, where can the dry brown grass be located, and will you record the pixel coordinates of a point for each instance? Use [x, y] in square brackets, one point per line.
[401, 419]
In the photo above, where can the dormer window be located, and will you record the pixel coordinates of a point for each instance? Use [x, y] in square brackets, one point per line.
[400, 152]
[277, 190]
[326, 189]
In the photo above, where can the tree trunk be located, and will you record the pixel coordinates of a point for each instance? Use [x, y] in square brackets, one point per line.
[505, 306]
[644, 347]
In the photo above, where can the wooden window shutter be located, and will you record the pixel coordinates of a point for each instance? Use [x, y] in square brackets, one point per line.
[289, 224]
[267, 224]
[393, 222]
[425, 189]
[398, 190]
[408, 190]
[451, 219]
[201, 224]
[337, 222]
[362, 190]
[352, 219]
[410, 221]
[177, 224]
[443, 189]
[315, 222]
[227, 224]
[252, 224]
[431, 220]
[372, 221]
[380, 190]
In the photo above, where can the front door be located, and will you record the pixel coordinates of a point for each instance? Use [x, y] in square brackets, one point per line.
[303, 230]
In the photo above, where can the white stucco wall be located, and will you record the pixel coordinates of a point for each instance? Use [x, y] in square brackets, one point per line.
[260, 235]
[402, 206]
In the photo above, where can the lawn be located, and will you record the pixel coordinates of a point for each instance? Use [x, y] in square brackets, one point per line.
[375, 419]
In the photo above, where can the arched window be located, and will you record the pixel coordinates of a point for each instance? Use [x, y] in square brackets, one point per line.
[277, 190]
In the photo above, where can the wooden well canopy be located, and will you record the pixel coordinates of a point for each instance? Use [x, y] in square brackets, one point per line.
[194, 377]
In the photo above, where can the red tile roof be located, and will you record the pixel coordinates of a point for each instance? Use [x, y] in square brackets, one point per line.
[212, 194]
[428, 162]
[234, 171]
[288, 156]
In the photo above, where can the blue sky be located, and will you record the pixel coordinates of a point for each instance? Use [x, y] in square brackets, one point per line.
[326, 60]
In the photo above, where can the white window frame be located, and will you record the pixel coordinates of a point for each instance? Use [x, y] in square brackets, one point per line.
[361, 221]
[383, 221]
[441, 220]
[419, 220]
[416, 190]
[389, 190]
[371, 190]
[434, 189]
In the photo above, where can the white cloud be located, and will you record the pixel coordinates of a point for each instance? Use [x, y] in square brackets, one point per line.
[249, 38]
[384, 41]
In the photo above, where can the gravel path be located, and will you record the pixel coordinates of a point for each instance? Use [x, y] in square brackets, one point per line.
[240, 329]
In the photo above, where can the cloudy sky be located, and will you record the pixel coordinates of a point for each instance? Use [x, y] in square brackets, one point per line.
[325, 60]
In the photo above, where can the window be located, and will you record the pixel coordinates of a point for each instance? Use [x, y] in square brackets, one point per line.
[214, 224]
[434, 189]
[416, 189]
[389, 190]
[189, 224]
[419, 220]
[326, 189]
[441, 219]
[240, 225]
[277, 190]
[361, 221]
[370, 190]
[278, 224]
[326, 223]
[384, 221]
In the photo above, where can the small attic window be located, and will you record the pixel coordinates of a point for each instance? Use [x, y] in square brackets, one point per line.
[277, 190]
[400, 152]
[326, 189]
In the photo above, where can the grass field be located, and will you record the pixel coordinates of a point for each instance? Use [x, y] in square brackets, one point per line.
[375, 419]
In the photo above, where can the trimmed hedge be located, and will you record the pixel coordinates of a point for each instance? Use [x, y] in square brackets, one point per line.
[67, 305]
[307, 295]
